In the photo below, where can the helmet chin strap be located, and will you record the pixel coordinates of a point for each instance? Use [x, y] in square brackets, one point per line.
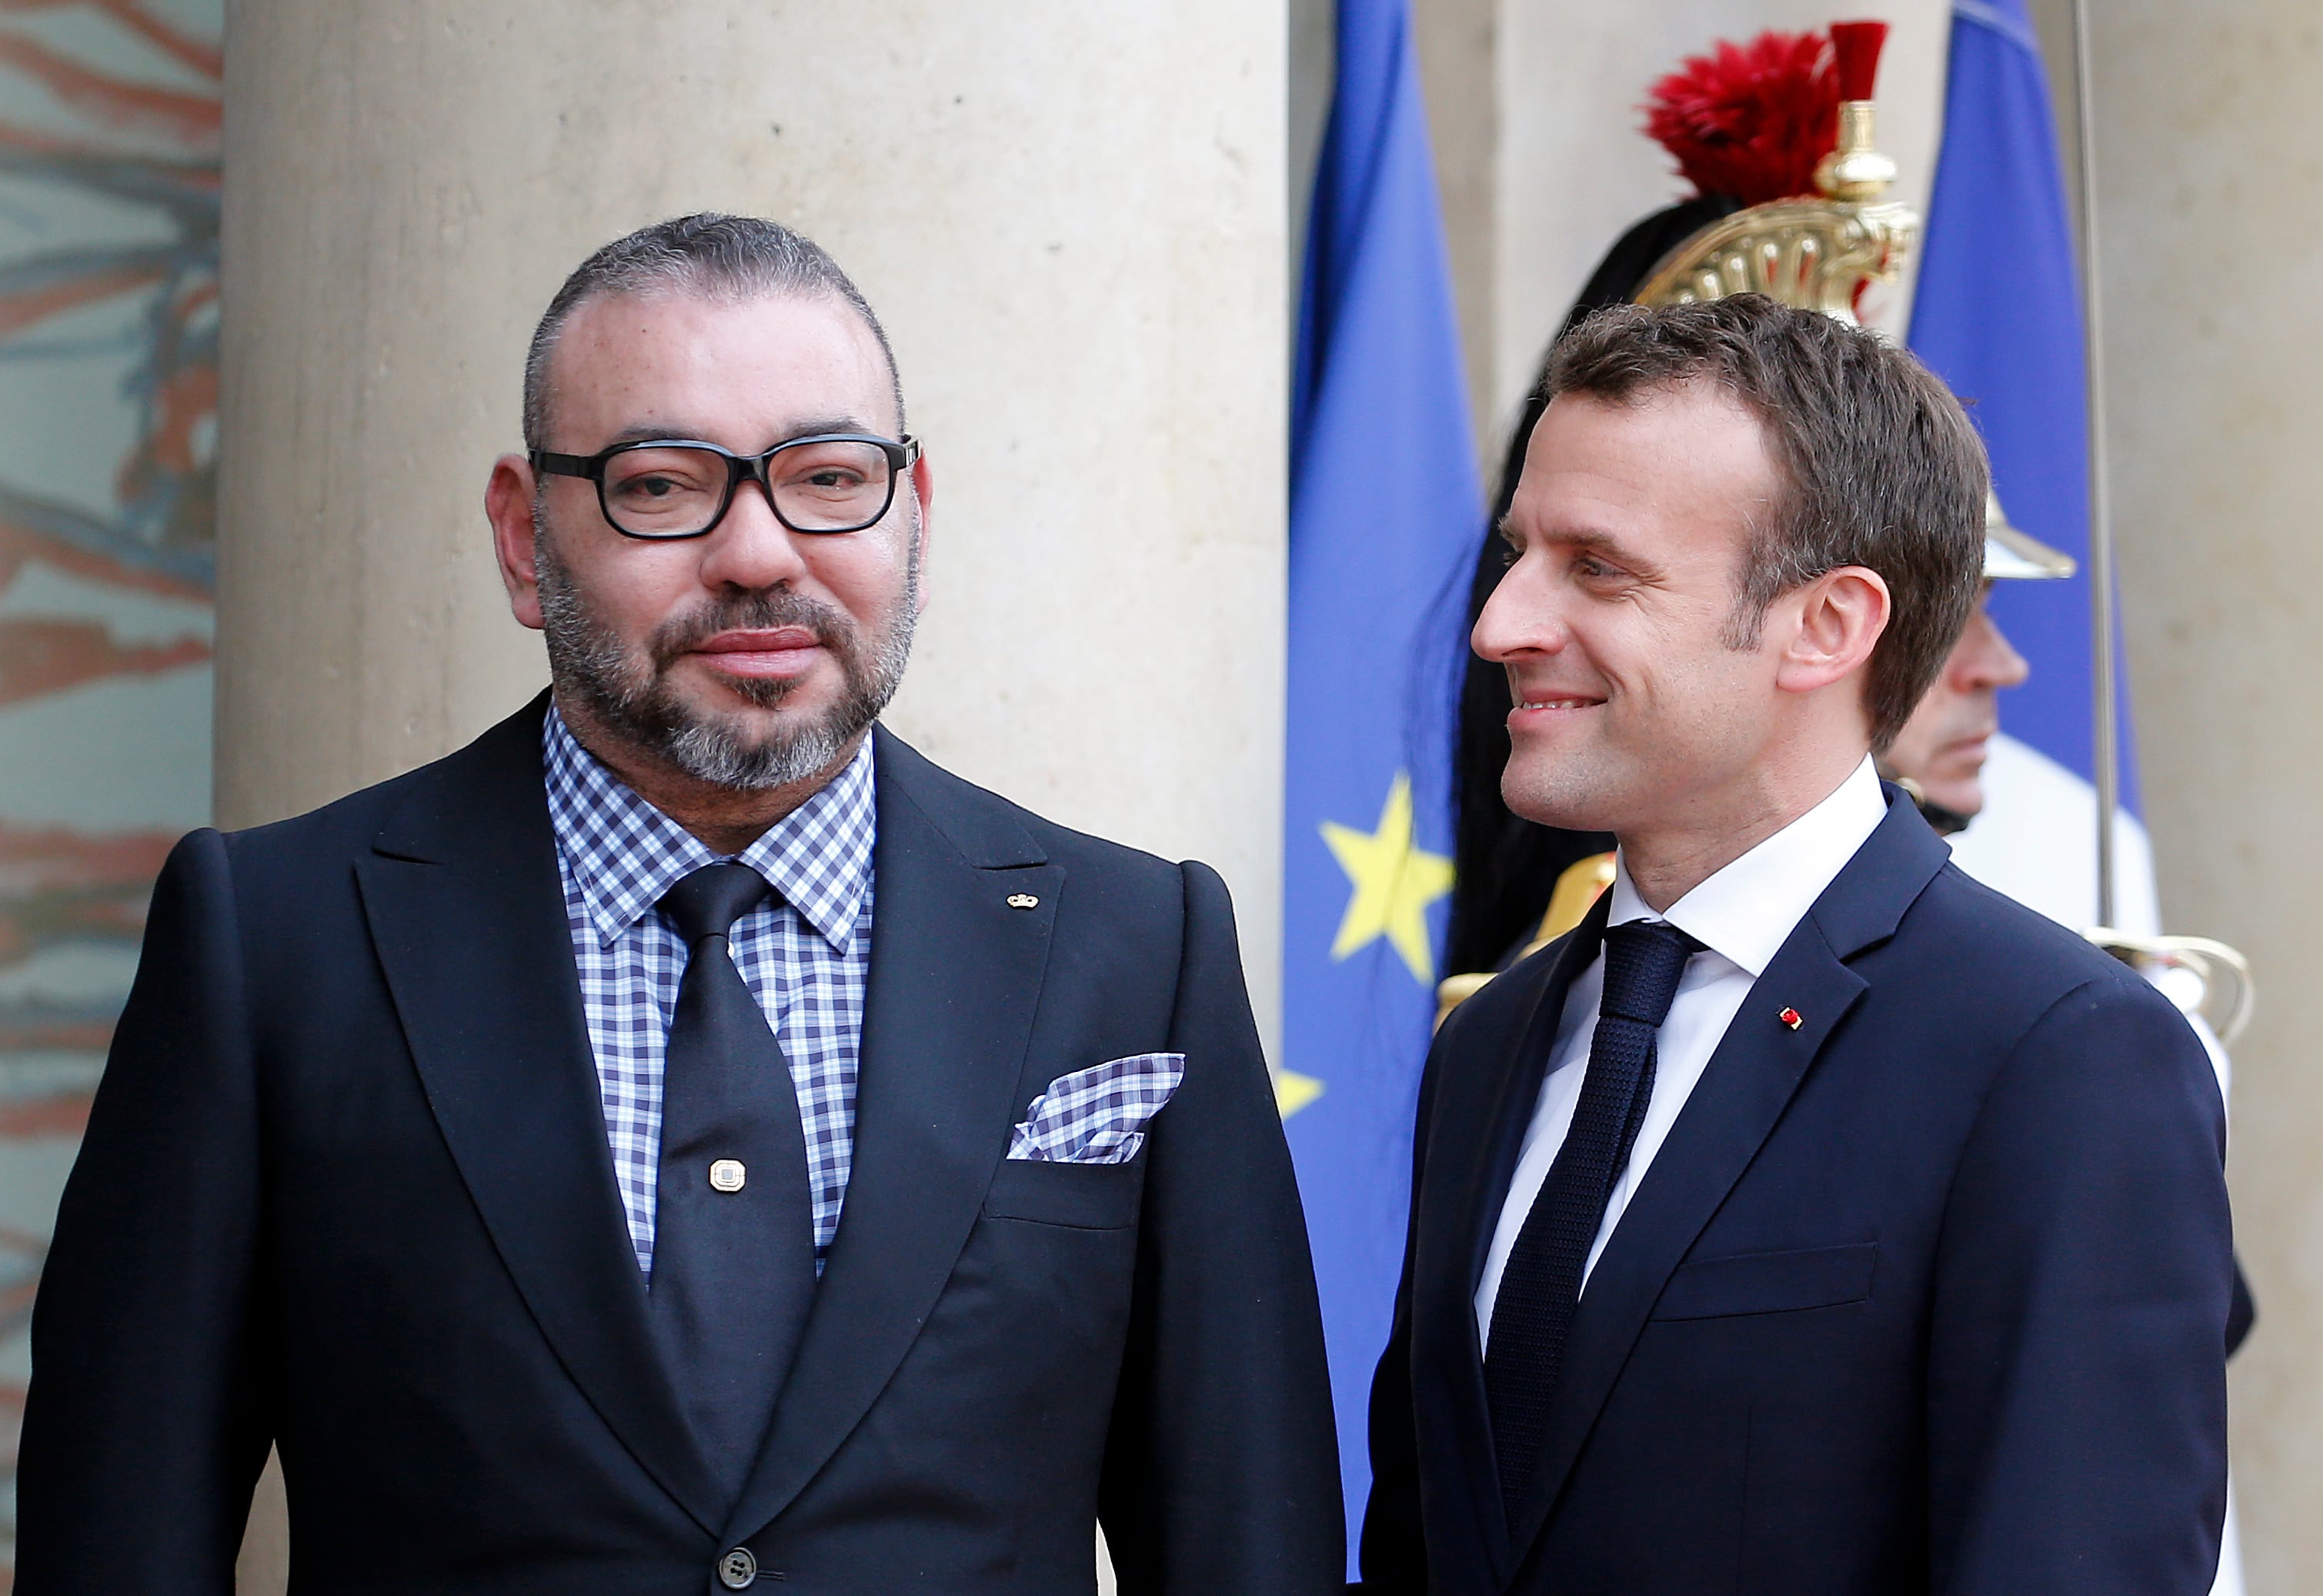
[1947, 821]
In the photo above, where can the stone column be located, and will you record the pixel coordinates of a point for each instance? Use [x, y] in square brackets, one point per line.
[2207, 118]
[1071, 221]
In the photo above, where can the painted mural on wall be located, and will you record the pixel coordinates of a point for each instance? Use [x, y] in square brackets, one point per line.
[109, 127]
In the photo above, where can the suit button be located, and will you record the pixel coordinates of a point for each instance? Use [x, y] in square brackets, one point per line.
[736, 1569]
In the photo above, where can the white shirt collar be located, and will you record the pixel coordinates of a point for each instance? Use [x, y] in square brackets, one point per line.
[1747, 910]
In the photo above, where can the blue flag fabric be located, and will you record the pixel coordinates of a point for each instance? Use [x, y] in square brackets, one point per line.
[1997, 315]
[1385, 507]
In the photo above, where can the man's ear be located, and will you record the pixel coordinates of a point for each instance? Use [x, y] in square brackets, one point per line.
[1840, 616]
[507, 505]
[921, 484]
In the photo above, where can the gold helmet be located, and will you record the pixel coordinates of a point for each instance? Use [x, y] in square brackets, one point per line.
[1819, 252]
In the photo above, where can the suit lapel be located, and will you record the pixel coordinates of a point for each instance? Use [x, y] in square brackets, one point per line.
[955, 978]
[1472, 1160]
[1750, 1081]
[467, 914]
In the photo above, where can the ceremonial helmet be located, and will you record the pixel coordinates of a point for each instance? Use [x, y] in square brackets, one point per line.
[1816, 251]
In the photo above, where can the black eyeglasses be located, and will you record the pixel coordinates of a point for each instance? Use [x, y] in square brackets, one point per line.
[834, 482]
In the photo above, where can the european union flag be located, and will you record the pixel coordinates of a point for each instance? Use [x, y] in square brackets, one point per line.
[1384, 506]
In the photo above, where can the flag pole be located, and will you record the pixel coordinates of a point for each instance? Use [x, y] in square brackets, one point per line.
[2105, 749]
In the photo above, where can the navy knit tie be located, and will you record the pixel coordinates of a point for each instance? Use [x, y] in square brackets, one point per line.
[733, 1260]
[1541, 1286]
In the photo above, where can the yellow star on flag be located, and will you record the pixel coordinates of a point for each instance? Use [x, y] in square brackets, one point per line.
[1293, 1091]
[1394, 882]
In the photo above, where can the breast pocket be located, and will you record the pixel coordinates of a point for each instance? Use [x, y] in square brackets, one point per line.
[1769, 1282]
[1083, 1196]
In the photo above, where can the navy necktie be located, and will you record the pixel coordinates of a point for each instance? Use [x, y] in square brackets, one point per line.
[1541, 1286]
[733, 1260]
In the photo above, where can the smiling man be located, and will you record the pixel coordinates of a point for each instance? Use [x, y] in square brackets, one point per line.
[685, 1140]
[1810, 1219]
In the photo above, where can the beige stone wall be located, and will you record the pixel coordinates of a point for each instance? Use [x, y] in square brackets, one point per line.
[2208, 118]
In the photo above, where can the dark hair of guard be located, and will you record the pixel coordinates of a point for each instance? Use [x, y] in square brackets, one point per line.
[1881, 469]
[717, 257]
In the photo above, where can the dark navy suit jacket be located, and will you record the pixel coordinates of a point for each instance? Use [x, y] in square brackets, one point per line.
[1928, 1294]
[346, 1189]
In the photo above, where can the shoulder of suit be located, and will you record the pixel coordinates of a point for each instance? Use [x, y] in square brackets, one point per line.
[1503, 1004]
[999, 832]
[986, 826]
[1992, 930]
[347, 824]
[445, 788]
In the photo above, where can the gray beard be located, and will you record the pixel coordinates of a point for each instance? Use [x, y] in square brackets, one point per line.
[633, 699]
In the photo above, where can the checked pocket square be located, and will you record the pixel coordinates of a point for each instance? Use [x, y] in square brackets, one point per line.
[1097, 1115]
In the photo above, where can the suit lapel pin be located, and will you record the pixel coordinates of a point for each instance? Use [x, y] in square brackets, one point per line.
[1023, 900]
[1792, 1018]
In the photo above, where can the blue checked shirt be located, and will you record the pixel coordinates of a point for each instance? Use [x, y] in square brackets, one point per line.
[804, 958]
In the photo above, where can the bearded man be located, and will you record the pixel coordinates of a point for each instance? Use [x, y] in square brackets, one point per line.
[685, 1139]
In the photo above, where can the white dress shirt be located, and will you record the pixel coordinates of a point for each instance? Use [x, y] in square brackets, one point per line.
[1742, 915]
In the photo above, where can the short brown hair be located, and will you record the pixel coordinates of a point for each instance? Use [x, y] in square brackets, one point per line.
[1882, 467]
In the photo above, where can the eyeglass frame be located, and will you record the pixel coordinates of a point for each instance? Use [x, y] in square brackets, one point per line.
[902, 455]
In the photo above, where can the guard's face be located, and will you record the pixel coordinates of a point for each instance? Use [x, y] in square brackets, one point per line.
[1942, 746]
[753, 656]
[1632, 710]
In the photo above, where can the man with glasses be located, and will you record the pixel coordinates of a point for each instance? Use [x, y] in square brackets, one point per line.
[686, 1140]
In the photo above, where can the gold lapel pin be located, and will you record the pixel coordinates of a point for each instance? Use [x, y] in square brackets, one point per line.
[1023, 900]
[1792, 1018]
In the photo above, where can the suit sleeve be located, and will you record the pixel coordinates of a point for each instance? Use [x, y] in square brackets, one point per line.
[144, 1429]
[1221, 1469]
[2077, 1418]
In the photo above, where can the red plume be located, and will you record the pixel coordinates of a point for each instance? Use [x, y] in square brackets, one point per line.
[1856, 45]
[1752, 119]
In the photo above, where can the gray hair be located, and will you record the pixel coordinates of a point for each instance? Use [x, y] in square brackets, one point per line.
[732, 258]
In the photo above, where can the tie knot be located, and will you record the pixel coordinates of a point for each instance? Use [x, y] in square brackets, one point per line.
[1643, 962]
[709, 900]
